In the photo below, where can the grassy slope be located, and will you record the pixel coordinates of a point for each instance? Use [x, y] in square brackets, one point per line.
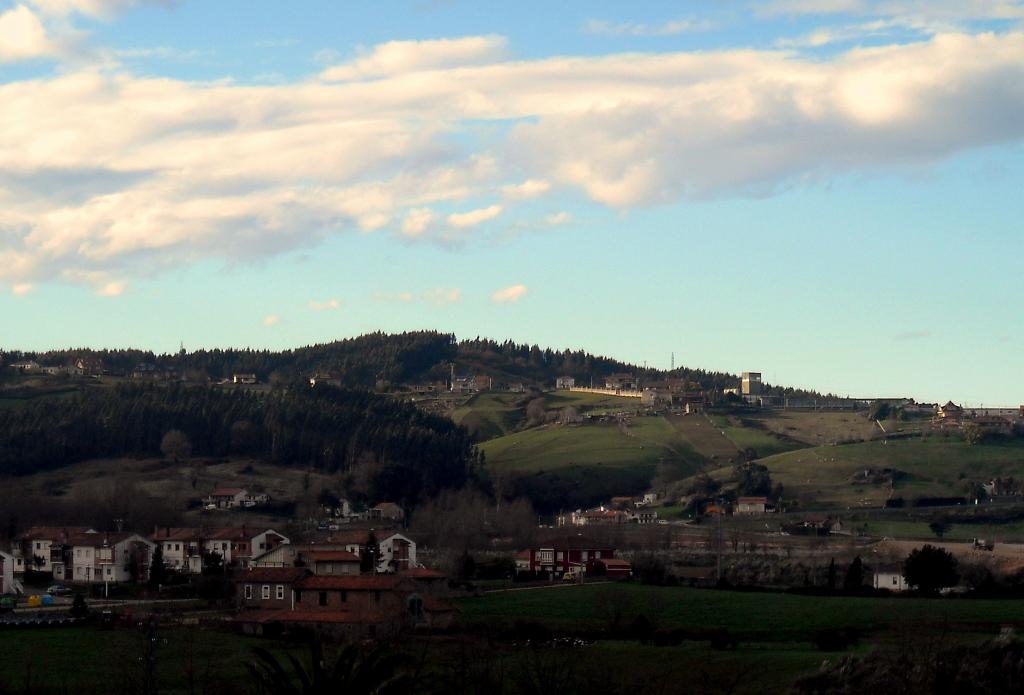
[590, 463]
[934, 465]
[705, 437]
[763, 442]
[490, 414]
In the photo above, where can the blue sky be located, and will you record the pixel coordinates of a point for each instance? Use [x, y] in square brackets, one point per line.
[827, 192]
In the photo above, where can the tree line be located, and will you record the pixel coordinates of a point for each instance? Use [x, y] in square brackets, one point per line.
[399, 452]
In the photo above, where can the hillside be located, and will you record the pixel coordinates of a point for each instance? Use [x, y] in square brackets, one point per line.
[827, 476]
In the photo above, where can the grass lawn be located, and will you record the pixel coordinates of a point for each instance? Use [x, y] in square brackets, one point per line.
[820, 476]
[753, 617]
[705, 437]
[589, 402]
[490, 414]
[90, 660]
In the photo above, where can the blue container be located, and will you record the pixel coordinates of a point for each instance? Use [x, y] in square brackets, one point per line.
[47, 600]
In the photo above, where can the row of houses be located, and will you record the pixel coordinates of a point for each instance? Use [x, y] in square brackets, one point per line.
[573, 557]
[80, 554]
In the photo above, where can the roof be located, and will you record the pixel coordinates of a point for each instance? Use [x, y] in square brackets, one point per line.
[272, 574]
[424, 573]
[378, 582]
[612, 562]
[222, 533]
[48, 533]
[576, 543]
[950, 405]
[359, 536]
[752, 500]
[97, 540]
[330, 556]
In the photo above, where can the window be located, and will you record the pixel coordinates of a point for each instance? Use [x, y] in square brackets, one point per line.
[39, 546]
[559, 554]
[298, 596]
[109, 572]
[894, 582]
[584, 556]
[266, 591]
[597, 554]
[547, 557]
[344, 595]
[323, 598]
[248, 592]
[280, 592]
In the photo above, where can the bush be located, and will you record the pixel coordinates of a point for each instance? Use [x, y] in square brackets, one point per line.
[834, 639]
[722, 639]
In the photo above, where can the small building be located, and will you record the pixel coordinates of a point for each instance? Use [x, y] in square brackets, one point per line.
[656, 396]
[568, 382]
[646, 516]
[325, 379]
[751, 505]
[267, 587]
[245, 378]
[620, 382]
[25, 366]
[226, 497]
[750, 384]
[88, 365]
[555, 558]
[890, 577]
[386, 511]
[950, 411]
[94, 557]
[330, 562]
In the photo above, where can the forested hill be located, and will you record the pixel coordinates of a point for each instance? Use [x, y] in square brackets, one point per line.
[389, 359]
[382, 448]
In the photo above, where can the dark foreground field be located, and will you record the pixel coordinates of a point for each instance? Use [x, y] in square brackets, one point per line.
[619, 638]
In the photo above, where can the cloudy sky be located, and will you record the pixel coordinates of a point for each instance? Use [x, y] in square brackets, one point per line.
[829, 191]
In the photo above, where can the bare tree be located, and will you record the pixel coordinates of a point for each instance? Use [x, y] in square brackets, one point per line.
[176, 445]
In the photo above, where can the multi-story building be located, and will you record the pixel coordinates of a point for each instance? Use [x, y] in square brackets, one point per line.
[184, 548]
[750, 384]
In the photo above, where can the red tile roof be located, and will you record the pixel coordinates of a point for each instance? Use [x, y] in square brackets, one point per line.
[752, 500]
[331, 556]
[421, 573]
[226, 492]
[379, 582]
[279, 575]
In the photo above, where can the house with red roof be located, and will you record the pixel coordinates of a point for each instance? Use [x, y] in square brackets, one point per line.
[571, 555]
[183, 548]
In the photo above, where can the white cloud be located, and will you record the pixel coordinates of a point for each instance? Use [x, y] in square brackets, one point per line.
[111, 289]
[103, 9]
[438, 296]
[21, 288]
[920, 10]
[271, 320]
[669, 28]
[531, 188]
[465, 220]
[397, 57]
[557, 218]
[509, 295]
[418, 221]
[217, 170]
[329, 305]
[23, 36]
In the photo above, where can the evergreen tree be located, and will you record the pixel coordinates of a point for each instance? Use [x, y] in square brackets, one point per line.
[854, 579]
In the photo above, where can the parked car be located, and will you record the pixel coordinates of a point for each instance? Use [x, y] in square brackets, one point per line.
[59, 590]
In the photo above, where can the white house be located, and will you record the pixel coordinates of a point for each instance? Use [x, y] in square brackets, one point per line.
[244, 379]
[890, 578]
[105, 557]
[565, 382]
[183, 548]
[397, 552]
[751, 505]
[227, 497]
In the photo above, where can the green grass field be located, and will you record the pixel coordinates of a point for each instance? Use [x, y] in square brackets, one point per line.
[589, 402]
[935, 467]
[489, 415]
[90, 660]
[763, 442]
[757, 617]
[705, 437]
[587, 464]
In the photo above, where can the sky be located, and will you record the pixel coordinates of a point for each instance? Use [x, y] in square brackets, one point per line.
[826, 191]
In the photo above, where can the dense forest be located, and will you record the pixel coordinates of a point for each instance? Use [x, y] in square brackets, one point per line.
[395, 450]
[380, 360]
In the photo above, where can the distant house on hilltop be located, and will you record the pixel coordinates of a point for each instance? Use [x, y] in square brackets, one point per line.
[622, 381]
[246, 378]
[565, 382]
